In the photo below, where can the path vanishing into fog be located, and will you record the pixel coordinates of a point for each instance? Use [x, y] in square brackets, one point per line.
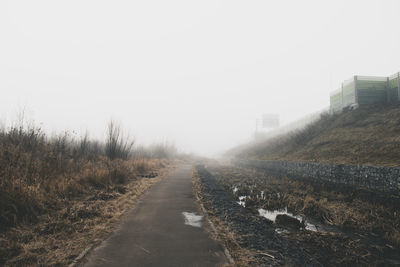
[161, 231]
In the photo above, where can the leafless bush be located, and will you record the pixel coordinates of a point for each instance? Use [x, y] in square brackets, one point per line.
[140, 152]
[117, 146]
[162, 150]
[84, 145]
[88, 148]
[39, 172]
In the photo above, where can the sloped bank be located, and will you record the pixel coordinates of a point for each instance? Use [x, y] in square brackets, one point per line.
[382, 179]
[252, 232]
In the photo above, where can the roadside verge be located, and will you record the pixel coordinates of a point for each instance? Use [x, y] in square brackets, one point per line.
[66, 235]
[250, 239]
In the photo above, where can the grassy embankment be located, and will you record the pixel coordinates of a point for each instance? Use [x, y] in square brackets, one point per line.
[369, 135]
[59, 195]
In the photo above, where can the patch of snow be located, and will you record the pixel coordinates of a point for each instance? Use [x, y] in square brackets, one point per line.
[281, 231]
[271, 215]
[242, 201]
[192, 219]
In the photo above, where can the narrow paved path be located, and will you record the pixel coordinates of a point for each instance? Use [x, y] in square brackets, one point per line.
[155, 234]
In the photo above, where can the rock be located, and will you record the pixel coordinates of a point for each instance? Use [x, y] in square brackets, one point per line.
[287, 221]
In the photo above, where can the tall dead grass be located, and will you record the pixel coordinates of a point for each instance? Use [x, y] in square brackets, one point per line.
[39, 173]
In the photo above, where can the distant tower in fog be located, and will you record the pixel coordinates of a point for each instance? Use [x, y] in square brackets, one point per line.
[267, 121]
[270, 121]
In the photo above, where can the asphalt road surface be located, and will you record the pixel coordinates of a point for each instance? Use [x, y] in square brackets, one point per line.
[164, 229]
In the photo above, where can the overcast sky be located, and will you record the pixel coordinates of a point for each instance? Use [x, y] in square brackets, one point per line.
[194, 72]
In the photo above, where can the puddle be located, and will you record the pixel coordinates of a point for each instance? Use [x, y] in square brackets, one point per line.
[192, 219]
[242, 201]
[271, 215]
[391, 255]
[281, 231]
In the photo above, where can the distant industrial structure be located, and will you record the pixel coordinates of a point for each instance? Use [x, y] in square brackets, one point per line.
[267, 121]
[362, 90]
[270, 121]
[290, 127]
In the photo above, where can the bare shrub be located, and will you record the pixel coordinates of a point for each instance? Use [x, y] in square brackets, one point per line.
[117, 146]
[88, 148]
[162, 150]
[39, 173]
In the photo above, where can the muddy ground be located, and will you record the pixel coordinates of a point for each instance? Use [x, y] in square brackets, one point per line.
[254, 233]
[316, 224]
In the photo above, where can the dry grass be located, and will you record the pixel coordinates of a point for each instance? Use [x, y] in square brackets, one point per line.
[59, 236]
[331, 249]
[241, 256]
[347, 210]
[58, 194]
[353, 215]
[369, 135]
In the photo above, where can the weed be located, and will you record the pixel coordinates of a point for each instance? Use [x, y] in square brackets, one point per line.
[117, 146]
[38, 173]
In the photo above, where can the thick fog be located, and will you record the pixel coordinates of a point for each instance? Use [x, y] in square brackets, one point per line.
[197, 73]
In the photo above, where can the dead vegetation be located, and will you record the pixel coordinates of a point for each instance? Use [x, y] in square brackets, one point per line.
[332, 249]
[60, 235]
[240, 255]
[369, 135]
[58, 195]
[365, 231]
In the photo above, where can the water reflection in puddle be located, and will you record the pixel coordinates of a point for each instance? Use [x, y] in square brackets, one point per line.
[192, 219]
[281, 231]
[242, 201]
[271, 215]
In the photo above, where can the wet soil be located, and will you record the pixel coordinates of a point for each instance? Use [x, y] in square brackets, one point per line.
[334, 227]
[253, 232]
